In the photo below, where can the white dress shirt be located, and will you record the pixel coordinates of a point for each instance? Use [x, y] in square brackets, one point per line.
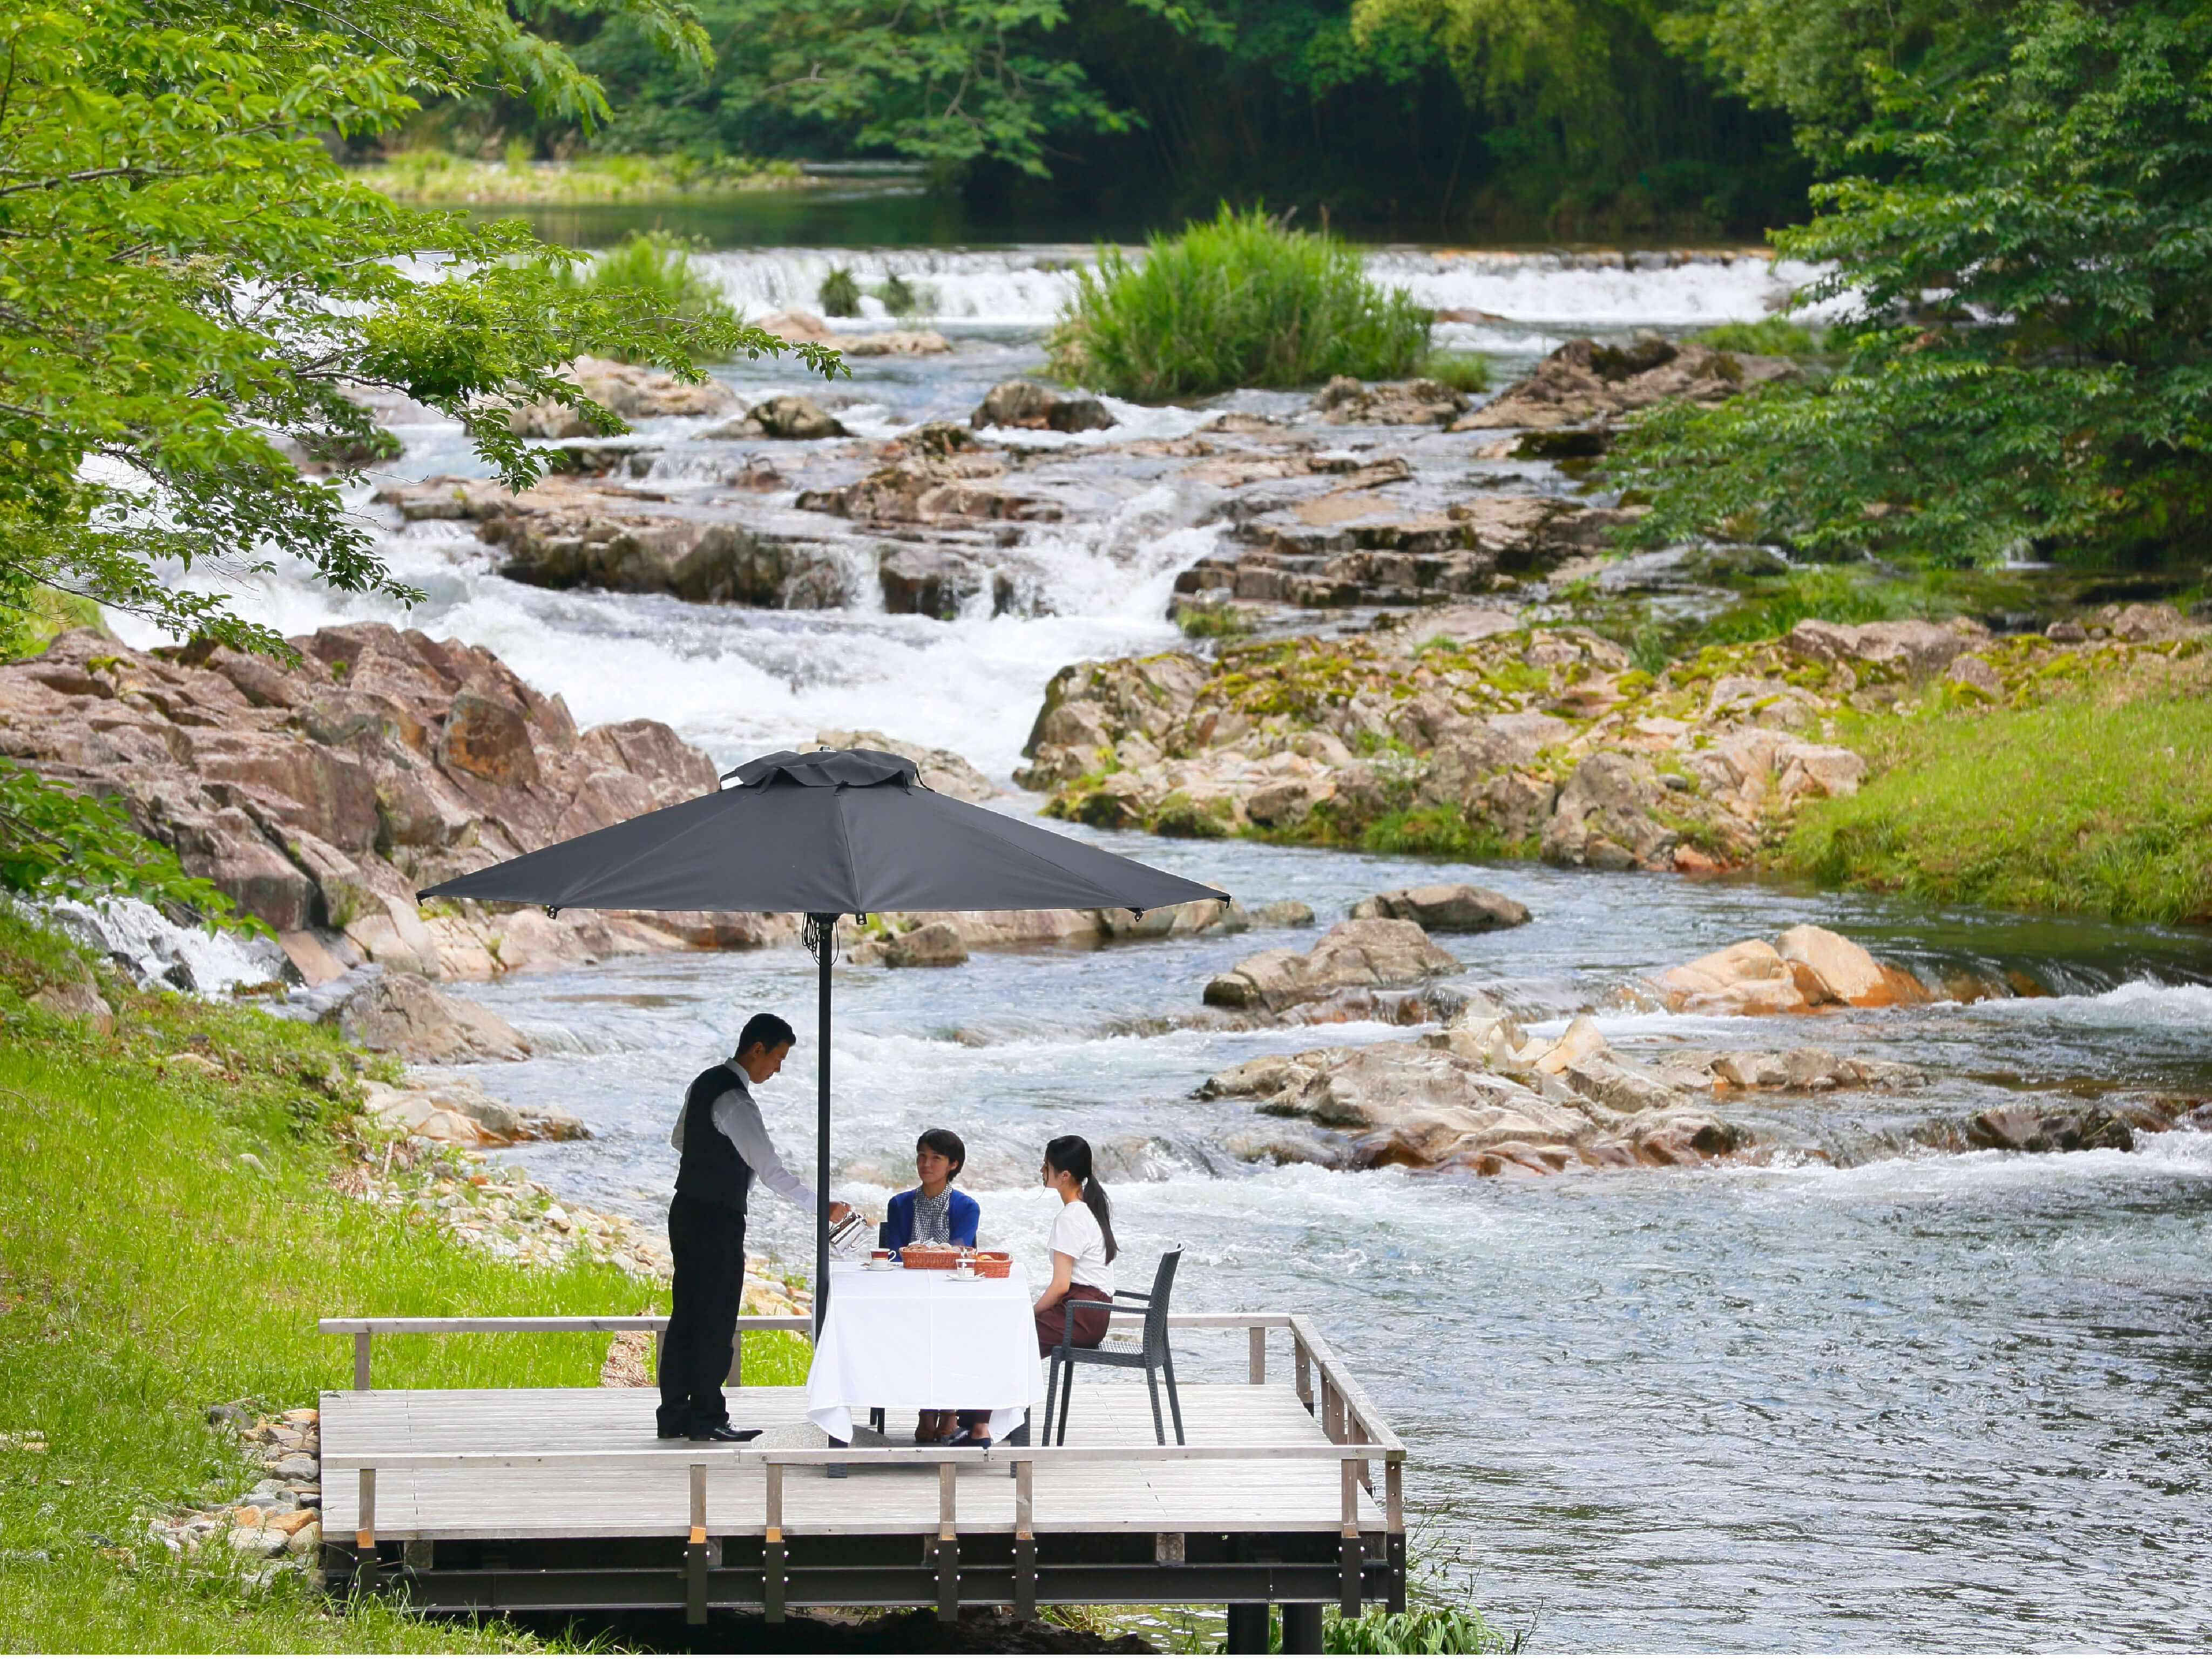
[737, 1116]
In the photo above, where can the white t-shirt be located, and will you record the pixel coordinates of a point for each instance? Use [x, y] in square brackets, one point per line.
[1075, 1233]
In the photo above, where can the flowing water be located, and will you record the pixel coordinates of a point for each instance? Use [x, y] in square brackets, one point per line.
[1860, 1396]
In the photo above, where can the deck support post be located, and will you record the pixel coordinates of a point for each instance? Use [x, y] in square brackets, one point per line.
[1393, 1553]
[1026, 1540]
[1348, 1550]
[1302, 1627]
[771, 1557]
[360, 1341]
[948, 1546]
[1256, 1368]
[364, 1537]
[1304, 1368]
[694, 1551]
[1248, 1627]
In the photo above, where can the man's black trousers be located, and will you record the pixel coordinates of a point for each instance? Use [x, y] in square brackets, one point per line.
[707, 1244]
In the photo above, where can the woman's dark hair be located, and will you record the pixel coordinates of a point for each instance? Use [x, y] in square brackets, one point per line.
[943, 1141]
[1071, 1156]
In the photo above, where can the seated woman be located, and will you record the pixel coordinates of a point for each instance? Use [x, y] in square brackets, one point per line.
[932, 1213]
[1083, 1249]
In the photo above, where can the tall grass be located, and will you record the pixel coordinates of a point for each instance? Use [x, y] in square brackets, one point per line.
[1238, 300]
[655, 263]
[1772, 336]
[168, 1238]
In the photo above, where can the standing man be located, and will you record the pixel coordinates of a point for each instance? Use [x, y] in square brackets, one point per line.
[724, 1145]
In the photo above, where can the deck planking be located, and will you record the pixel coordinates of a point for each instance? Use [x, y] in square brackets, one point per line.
[581, 1501]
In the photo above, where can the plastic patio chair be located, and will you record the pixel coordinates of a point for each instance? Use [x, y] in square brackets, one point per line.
[1155, 1356]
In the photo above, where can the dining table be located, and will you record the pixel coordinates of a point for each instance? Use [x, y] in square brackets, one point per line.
[917, 1339]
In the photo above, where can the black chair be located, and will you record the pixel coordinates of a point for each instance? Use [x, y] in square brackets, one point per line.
[1154, 1355]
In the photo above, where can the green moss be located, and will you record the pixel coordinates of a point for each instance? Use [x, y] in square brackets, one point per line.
[1770, 336]
[1441, 832]
[1179, 815]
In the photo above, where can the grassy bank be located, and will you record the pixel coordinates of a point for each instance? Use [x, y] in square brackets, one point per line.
[168, 1236]
[440, 176]
[2089, 793]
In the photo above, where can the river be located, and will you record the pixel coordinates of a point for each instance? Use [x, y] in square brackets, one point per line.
[1862, 1396]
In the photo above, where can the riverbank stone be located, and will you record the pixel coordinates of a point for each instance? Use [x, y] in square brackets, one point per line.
[1445, 908]
[1366, 953]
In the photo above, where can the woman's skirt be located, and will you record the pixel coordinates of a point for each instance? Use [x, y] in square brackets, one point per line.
[1092, 1313]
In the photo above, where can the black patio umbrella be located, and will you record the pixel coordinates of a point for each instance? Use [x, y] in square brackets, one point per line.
[836, 833]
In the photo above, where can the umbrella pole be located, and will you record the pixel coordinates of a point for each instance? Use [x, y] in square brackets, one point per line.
[824, 940]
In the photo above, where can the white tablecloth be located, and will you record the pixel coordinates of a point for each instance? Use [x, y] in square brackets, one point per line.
[909, 1339]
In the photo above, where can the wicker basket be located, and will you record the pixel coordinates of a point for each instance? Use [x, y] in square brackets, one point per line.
[930, 1255]
[993, 1264]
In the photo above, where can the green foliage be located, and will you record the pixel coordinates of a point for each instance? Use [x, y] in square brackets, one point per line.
[56, 843]
[148, 1270]
[908, 300]
[2024, 239]
[1240, 301]
[1213, 622]
[1436, 832]
[949, 84]
[2095, 800]
[41, 613]
[1462, 371]
[839, 294]
[1826, 593]
[656, 267]
[1772, 337]
[1419, 1629]
[186, 279]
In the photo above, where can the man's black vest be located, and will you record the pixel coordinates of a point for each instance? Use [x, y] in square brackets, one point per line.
[710, 1171]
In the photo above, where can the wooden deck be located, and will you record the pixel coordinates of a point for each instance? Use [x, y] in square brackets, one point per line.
[564, 1499]
[1289, 1491]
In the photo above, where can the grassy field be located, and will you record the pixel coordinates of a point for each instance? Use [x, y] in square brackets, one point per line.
[168, 1236]
[2094, 797]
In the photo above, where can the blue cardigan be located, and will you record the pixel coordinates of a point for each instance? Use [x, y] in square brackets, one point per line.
[960, 1221]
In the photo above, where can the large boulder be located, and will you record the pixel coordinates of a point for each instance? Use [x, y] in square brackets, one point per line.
[940, 769]
[1344, 401]
[1585, 384]
[405, 1015]
[785, 416]
[1920, 648]
[1604, 816]
[632, 392]
[1812, 967]
[1025, 404]
[1367, 954]
[933, 944]
[460, 1112]
[1445, 908]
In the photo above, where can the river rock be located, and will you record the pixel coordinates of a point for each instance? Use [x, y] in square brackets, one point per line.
[1812, 968]
[1344, 401]
[1433, 1107]
[1366, 953]
[890, 343]
[931, 489]
[1453, 907]
[939, 945]
[786, 562]
[2023, 1129]
[1025, 404]
[1918, 648]
[320, 794]
[918, 580]
[628, 390]
[1605, 817]
[406, 1015]
[76, 998]
[1810, 1069]
[785, 416]
[1585, 384]
[460, 1111]
[1283, 912]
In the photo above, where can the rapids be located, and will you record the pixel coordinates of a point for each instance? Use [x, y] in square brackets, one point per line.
[1861, 1397]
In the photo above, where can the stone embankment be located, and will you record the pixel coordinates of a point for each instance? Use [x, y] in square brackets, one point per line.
[1462, 730]
[322, 794]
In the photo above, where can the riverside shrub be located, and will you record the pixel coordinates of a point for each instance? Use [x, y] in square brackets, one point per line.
[1238, 300]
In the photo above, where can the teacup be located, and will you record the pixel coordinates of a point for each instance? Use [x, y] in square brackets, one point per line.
[880, 1258]
[964, 1270]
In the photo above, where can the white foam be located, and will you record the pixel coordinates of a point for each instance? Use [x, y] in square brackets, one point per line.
[159, 952]
[2134, 1005]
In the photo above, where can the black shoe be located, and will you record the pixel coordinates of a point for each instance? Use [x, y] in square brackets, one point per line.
[970, 1437]
[672, 1434]
[723, 1432]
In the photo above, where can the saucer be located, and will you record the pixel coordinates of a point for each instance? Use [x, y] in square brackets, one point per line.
[879, 1266]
